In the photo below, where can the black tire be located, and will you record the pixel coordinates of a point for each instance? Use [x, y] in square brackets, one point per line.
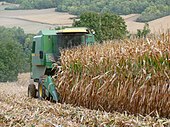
[31, 91]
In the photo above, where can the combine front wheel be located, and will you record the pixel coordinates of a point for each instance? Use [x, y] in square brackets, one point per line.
[31, 91]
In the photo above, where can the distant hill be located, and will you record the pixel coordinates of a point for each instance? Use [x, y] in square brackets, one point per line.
[149, 9]
[32, 21]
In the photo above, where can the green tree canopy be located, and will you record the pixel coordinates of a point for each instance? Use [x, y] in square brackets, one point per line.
[11, 60]
[107, 26]
[15, 49]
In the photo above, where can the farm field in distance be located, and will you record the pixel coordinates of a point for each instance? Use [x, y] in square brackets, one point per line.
[32, 21]
[118, 83]
[156, 26]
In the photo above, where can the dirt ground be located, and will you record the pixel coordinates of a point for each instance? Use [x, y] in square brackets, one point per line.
[46, 16]
[32, 21]
[12, 88]
[157, 26]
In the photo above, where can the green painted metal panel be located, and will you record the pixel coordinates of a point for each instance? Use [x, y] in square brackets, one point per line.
[48, 44]
[90, 39]
[38, 68]
[37, 71]
[50, 86]
[38, 47]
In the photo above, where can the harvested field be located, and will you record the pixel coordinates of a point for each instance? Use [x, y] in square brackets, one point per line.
[17, 110]
[157, 26]
[32, 21]
[46, 16]
[29, 27]
[129, 75]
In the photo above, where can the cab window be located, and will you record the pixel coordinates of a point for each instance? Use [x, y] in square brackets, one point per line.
[33, 47]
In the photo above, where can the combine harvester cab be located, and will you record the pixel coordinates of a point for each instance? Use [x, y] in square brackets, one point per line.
[46, 52]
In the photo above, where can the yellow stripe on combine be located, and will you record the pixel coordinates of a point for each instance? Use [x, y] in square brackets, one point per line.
[35, 54]
[73, 30]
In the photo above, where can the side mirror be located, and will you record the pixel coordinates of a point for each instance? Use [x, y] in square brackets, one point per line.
[41, 54]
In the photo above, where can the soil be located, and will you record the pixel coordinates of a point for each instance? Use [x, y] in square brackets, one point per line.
[157, 26]
[32, 21]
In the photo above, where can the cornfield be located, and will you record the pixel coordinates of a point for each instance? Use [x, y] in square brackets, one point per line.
[129, 75]
[18, 110]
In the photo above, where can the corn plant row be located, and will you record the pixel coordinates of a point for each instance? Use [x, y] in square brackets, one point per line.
[128, 75]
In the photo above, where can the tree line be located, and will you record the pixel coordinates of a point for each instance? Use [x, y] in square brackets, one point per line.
[150, 9]
[15, 49]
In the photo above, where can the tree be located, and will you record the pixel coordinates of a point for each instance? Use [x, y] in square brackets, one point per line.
[154, 12]
[143, 33]
[11, 60]
[15, 50]
[107, 26]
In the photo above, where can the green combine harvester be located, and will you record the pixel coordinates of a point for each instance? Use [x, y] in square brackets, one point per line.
[46, 53]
